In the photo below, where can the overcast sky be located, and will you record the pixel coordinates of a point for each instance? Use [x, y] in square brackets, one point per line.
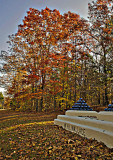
[13, 11]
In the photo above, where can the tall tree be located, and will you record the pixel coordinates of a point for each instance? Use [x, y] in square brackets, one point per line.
[32, 49]
[100, 13]
[1, 99]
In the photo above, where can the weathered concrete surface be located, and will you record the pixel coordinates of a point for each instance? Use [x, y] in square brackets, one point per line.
[105, 115]
[92, 122]
[81, 113]
[89, 124]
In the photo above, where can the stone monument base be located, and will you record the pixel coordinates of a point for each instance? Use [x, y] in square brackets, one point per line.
[89, 124]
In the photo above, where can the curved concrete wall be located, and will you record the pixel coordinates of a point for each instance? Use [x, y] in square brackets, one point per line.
[89, 124]
[81, 113]
[105, 116]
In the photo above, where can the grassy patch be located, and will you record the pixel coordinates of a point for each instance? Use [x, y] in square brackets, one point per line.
[38, 138]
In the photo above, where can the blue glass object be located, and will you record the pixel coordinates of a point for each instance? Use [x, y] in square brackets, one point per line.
[81, 105]
[110, 107]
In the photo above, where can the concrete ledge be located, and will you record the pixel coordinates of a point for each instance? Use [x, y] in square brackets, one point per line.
[87, 131]
[81, 113]
[91, 122]
[105, 115]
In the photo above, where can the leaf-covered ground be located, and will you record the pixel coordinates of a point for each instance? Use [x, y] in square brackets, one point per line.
[35, 137]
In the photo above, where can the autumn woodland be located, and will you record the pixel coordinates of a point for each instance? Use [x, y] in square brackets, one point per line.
[55, 59]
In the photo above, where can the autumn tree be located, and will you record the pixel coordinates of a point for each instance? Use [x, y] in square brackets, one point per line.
[1, 98]
[54, 59]
[31, 51]
[100, 13]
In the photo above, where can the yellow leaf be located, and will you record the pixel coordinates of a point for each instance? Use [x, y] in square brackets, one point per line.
[79, 156]
[33, 144]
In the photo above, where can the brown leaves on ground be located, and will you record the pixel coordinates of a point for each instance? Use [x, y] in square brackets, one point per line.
[40, 141]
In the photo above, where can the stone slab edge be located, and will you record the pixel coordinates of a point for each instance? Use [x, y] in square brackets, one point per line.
[90, 132]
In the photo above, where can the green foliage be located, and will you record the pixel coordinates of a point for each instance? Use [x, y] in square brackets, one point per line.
[1, 97]
[1, 100]
[13, 104]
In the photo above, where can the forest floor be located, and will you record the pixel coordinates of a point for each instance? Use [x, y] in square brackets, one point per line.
[33, 136]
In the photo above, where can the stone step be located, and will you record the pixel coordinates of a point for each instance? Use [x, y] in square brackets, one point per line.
[100, 135]
[92, 122]
[105, 115]
[81, 113]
